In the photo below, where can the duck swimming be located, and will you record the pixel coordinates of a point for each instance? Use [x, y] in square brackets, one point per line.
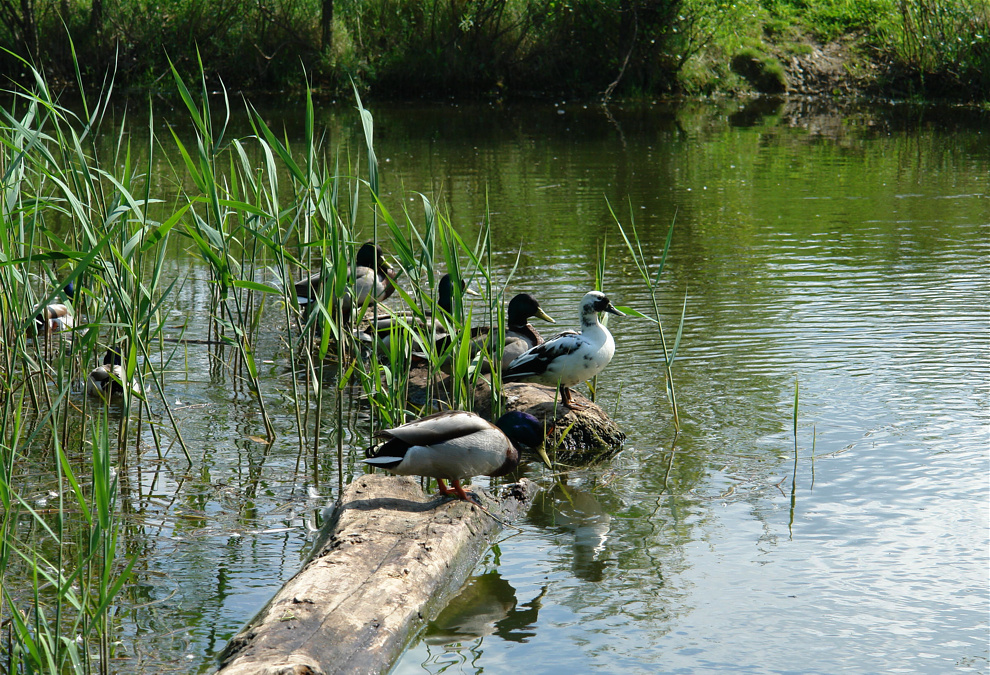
[455, 445]
[372, 276]
[106, 381]
[570, 357]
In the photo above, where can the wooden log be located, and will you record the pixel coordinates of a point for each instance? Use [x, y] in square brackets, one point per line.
[386, 562]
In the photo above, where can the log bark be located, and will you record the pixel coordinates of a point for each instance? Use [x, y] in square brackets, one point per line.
[386, 562]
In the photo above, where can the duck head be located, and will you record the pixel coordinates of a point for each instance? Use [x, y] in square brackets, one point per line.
[445, 292]
[595, 302]
[112, 357]
[524, 430]
[522, 307]
[372, 257]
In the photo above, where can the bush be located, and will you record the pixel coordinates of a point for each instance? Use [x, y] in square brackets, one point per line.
[763, 72]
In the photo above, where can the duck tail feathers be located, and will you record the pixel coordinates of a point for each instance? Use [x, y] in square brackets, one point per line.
[384, 462]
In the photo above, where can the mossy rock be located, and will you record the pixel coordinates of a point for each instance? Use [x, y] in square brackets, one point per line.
[579, 436]
[763, 72]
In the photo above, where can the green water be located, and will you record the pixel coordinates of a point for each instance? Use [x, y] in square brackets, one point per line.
[847, 251]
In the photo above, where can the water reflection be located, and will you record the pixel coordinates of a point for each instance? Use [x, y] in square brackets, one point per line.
[487, 605]
[576, 513]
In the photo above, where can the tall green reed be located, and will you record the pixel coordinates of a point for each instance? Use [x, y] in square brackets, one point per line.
[214, 228]
[652, 282]
[72, 211]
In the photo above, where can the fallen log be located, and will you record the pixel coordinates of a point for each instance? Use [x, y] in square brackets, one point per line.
[386, 562]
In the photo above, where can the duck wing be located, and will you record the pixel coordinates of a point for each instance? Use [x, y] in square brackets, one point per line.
[365, 284]
[514, 348]
[378, 284]
[438, 428]
[536, 360]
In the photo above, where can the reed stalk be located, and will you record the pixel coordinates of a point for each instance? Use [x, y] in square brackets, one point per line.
[652, 282]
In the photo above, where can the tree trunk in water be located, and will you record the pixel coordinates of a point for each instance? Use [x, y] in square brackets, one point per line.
[386, 562]
[326, 22]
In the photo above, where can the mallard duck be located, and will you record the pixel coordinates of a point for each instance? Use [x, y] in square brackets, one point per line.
[373, 276]
[570, 357]
[54, 318]
[520, 335]
[454, 445]
[106, 381]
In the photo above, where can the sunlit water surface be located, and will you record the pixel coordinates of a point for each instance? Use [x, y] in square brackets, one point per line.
[843, 253]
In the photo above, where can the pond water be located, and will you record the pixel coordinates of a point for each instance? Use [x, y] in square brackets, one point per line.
[845, 252]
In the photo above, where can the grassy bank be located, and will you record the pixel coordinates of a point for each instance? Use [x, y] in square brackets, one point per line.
[579, 48]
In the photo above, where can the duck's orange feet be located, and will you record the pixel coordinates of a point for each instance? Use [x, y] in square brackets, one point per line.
[444, 490]
[464, 495]
[565, 398]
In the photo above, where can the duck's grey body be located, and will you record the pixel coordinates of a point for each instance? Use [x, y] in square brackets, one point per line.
[452, 445]
[571, 357]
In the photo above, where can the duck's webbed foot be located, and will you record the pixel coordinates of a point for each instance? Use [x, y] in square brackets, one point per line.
[463, 494]
[565, 398]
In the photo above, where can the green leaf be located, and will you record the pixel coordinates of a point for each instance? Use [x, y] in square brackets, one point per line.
[632, 312]
[255, 286]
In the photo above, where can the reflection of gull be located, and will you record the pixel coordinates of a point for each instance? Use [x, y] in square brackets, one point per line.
[570, 509]
[486, 605]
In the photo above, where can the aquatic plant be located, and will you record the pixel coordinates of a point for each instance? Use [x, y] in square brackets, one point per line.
[652, 282]
[70, 214]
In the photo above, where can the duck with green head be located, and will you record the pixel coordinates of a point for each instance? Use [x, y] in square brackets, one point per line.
[520, 334]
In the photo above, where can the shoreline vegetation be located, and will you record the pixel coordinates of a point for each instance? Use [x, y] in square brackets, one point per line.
[498, 49]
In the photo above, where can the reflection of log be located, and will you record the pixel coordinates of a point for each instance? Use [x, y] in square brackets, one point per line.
[592, 435]
[386, 562]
